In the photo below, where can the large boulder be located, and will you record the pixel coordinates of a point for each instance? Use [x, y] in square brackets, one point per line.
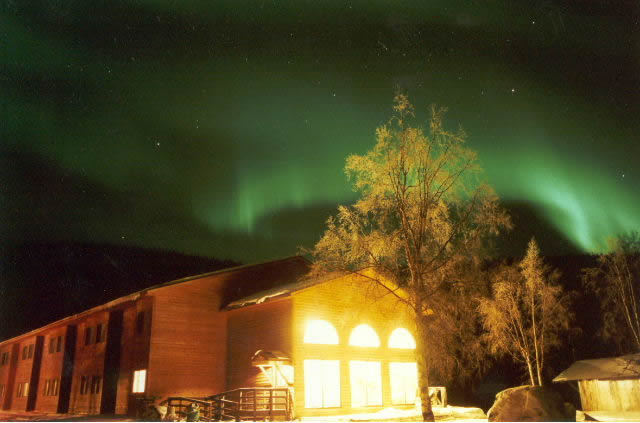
[530, 404]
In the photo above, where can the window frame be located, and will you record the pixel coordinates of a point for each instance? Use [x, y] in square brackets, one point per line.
[403, 378]
[324, 403]
[377, 394]
[88, 336]
[138, 386]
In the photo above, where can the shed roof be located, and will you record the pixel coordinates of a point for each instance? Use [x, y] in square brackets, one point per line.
[624, 367]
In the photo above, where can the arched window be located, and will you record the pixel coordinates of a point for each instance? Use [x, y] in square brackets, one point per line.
[364, 336]
[401, 338]
[320, 332]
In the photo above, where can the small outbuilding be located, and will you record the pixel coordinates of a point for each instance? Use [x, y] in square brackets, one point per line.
[607, 385]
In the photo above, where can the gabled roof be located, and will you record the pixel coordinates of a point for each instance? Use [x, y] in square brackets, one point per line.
[624, 367]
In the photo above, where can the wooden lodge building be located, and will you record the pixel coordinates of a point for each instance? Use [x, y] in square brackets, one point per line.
[338, 344]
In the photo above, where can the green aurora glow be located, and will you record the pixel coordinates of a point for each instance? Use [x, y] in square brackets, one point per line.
[223, 131]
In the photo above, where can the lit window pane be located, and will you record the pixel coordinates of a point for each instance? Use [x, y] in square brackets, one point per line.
[404, 382]
[320, 332]
[321, 383]
[364, 336]
[139, 380]
[366, 383]
[401, 338]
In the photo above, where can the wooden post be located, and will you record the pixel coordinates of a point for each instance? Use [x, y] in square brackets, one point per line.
[238, 406]
[255, 403]
[270, 404]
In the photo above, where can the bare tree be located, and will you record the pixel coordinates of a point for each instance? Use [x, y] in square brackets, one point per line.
[527, 314]
[422, 221]
[616, 282]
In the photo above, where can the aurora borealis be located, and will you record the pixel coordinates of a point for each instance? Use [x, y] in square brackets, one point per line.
[221, 128]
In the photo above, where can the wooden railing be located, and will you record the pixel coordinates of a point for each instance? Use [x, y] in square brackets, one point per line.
[253, 404]
[181, 407]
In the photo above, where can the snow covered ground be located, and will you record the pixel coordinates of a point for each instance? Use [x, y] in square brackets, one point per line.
[448, 413]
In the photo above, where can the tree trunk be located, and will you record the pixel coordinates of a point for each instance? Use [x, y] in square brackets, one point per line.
[539, 373]
[533, 380]
[423, 369]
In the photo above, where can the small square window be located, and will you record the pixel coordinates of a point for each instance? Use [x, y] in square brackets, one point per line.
[95, 384]
[25, 350]
[139, 381]
[83, 385]
[140, 323]
[31, 351]
[59, 344]
[88, 336]
[99, 333]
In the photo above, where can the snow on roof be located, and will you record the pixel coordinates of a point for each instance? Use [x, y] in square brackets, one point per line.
[281, 291]
[624, 367]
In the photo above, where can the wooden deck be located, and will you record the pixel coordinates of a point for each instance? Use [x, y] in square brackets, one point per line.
[266, 404]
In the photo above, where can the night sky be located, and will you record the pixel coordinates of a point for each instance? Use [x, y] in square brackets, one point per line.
[221, 128]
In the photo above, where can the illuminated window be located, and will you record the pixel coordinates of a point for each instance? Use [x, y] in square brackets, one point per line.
[404, 383]
[84, 385]
[401, 338]
[364, 336]
[321, 383]
[95, 384]
[139, 380]
[366, 383]
[320, 332]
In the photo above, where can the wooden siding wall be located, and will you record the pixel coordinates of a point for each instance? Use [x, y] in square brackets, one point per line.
[346, 303]
[22, 373]
[89, 362]
[266, 326]
[51, 368]
[8, 375]
[188, 340]
[134, 353]
[610, 395]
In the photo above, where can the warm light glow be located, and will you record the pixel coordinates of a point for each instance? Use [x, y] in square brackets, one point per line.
[139, 381]
[366, 383]
[364, 336]
[401, 338]
[320, 332]
[279, 375]
[321, 383]
[404, 383]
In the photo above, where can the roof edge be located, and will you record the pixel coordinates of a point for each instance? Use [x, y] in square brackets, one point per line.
[138, 294]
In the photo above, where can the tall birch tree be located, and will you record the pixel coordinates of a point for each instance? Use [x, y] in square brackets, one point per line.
[616, 282]
[527, 313]
[423, 221]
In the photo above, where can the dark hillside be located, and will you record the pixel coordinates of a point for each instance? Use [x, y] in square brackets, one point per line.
[43, 282]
